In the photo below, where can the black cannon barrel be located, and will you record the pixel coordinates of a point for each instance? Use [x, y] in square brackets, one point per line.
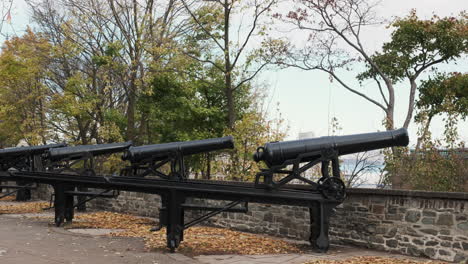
[162, 151]
[33, 150]
[80, 151]
[276, 153]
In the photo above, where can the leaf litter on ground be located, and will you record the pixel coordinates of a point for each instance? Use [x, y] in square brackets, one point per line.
[198, 240]
[22, 207]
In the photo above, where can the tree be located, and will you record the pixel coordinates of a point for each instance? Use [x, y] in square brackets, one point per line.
[356, 168]
[416, 45]
[5, 13]
[253, 130]
[444, 94]
[224, 53]
[434, 165]
[23, 97]
[110, 49]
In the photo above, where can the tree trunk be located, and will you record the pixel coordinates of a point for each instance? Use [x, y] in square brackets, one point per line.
[142, 134]
[424, 133]
[390, 121]
[208, 166]
[131, 112]
[409, 114]
[228, 68]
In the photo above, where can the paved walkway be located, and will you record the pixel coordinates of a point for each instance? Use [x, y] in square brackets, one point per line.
[27, 239]
[33, 241]
[335, 253]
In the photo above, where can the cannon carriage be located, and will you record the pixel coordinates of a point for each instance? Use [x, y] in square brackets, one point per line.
[284, 160]
[22, 159]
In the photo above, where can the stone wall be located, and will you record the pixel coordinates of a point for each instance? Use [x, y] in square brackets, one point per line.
[414, 223]
[276, 220]
[428, 224]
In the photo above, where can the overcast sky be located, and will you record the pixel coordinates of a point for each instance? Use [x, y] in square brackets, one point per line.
[308, 100]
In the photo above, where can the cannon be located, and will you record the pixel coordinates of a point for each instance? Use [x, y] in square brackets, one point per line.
[276, 153]
[77, 152]
[148, 159]
[178, 192]
[22, 159]
[279, 155]
[78, 160]
[63, 159]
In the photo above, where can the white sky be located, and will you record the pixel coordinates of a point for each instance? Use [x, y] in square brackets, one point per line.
[308, 100]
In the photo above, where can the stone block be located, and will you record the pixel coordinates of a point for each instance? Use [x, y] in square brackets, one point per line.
[445, 219]
[377, 247]
[445, 232]
[412, 232]
[429, 213]
[376, 239]
[392, 210]
[430, 231]
[431, 243]
[428, 221]
[299, 214]
[391, 243]
[362, 209]
[394, 217]
[355, 235]
[418, 242]
[391, 233]
[463, 226]
[381, 230]
[444, 252]
[378, 209]
[371, 229]
[415, 251]
[465, 245]
[412, 216]
[430, 252]
[446, 238]
[268, 217]
[446, 244]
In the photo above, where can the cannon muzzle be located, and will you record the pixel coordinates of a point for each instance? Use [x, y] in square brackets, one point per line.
[163, 151]
[276, 153]
[27, 151]
[77, 152]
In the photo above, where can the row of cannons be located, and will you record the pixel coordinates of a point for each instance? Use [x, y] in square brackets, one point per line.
[160, 169]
